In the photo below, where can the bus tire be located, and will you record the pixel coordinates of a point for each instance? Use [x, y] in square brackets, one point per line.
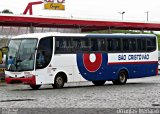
[59, 81]
[122, 78]
[35, 87]
[99, 83]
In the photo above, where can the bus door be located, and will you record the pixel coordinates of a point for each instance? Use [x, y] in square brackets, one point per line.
[43, 59]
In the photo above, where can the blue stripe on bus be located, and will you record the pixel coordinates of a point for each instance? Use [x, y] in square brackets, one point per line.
[109, 71]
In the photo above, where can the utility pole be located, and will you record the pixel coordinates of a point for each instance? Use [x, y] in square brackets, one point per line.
[147, 14]
[122, 13]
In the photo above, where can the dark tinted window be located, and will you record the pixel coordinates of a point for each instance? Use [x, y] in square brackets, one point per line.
[81, 44]
[109, 44]
[101, 45]
[44, 52]
[94, 44]
[63, 45]
[113, 44]
[98, 44]
[132, 44]
[129, 44]
[151, 44]
[116, 44]
[125, 45]
[75, 44]
[141, 44]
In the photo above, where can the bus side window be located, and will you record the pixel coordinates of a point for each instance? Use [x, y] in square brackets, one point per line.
[109, 44]
[84, 44]
[94, 44]
[116, 45]
[125, 45]
[80, 44]
[63, 45]
[151, 44]
[58, 45]
[44, 52]
[113, 45]
[132, 44]
[98, 44]
[76, 44]
[141, 44]
[101, 44]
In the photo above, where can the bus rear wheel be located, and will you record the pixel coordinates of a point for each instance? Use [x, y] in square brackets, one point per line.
[122, 78]
[35, 87]
[99, 83]
[59, 82]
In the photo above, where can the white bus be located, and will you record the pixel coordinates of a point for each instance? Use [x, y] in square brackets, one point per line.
[57, 58]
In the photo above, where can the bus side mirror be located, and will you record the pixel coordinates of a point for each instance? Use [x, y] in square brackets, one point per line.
[1, 57]
[5, 49]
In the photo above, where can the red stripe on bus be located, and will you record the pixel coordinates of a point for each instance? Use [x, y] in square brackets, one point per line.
[30, 80]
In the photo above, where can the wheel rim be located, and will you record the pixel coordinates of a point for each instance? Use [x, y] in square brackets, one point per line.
[122, 77]
[59, 81]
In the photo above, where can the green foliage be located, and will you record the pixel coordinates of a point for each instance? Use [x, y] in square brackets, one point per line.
[7, 11]
[158, 36]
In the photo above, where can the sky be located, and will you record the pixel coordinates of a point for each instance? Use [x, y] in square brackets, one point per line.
[135, 10]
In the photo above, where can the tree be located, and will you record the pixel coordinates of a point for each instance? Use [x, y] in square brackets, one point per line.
[7, 11]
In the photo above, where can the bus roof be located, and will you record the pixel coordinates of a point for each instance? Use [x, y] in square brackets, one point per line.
[41, 35]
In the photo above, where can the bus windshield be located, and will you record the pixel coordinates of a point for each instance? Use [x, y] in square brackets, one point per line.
[21, 54]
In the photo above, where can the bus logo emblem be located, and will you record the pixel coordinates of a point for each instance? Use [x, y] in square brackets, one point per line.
[92, 62]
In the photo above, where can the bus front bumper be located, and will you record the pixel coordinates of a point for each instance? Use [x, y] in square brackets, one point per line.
[28, 80]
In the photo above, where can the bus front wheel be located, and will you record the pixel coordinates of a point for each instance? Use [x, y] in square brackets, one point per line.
[99, 83]
[122, 78]
[59, 82]
[35, 87]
